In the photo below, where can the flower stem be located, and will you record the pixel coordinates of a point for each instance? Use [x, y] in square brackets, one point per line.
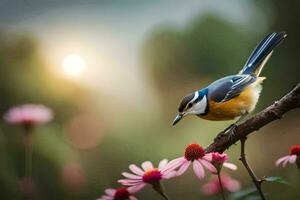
[158, 187]
[221, 186]
[28, 155]
[255, 180]
[27, 183]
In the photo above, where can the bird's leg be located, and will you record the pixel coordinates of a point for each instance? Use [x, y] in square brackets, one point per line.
[230, 130]
[224, 132]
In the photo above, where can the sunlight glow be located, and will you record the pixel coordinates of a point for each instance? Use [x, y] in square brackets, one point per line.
[73, 65]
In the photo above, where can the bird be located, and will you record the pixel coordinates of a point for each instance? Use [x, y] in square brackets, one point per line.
[234, 96]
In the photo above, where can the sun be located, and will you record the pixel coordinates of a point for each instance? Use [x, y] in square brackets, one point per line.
[73, 65]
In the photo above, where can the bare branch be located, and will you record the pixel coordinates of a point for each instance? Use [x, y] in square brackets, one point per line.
[254, 178]
[289, 102]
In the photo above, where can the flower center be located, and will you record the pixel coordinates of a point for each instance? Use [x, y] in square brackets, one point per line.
[152, 176]
[194, 152]
[295, 150]
[27, 121]
[121, 194]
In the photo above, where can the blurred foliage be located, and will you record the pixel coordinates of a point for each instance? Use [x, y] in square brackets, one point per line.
[286, 17]
[243, 194]
[276, 179]
[207, 47]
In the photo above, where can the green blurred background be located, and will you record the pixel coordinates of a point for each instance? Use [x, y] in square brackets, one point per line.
[140, 58]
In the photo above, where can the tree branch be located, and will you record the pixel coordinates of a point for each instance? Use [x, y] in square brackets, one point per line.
[289, 102]
[254, 178]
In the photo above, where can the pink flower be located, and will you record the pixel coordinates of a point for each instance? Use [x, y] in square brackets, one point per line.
[194, 154]
[118, 194]
[28, 115]
[219, 160]
[291, 158]
[213, 186]
[147, 175]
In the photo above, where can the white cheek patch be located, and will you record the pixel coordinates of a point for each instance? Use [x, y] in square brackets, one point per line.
[195, 96]
[200, 107]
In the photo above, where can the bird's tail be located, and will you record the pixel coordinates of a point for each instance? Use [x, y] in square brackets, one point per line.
[262, 53]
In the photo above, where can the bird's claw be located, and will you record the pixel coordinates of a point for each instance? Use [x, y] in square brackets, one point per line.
[231, 133]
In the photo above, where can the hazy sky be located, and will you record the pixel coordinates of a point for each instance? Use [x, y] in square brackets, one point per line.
[107, 34]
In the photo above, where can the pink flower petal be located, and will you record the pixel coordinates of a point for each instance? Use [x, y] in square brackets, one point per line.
[129, 182]
[174, 164]
[210, 189]
[136, 188]
[132, 198]
[219, 158]
[29, 114]
[147, 165]
[105, 197]
[162, 164]
[183, 167]
[232, 185]
[281, 160]
[131, 176]
[230, 166]
[169, 175]
[135, 169]
[208, 166]
[110, 191]
[286, 162]
[198, 169]
[213, 186]
[293, 159]
[208, 157]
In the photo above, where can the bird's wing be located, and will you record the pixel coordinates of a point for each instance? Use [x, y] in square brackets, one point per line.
[229, 87]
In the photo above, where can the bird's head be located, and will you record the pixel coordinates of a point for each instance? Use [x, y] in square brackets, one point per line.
[192, 104]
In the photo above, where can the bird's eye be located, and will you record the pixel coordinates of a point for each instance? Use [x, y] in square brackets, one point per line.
[190, 105]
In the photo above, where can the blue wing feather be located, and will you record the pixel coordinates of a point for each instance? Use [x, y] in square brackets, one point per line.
[229, 87]
[238, 86]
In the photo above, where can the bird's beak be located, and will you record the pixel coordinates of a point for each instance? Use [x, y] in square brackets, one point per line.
[177, 118]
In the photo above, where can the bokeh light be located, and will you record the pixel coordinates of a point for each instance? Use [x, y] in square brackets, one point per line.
[85, 130]
[73, 176]
[73, 65]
